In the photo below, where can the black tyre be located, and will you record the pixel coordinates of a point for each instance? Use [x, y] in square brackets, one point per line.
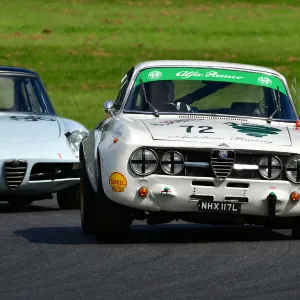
[69, 198]
[109, 220]
[296, 232]
[113, 221]
[87, 203]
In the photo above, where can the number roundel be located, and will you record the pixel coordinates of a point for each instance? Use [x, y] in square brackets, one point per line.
[203, 129]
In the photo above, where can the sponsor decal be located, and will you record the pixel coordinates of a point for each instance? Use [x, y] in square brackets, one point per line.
[204, 129]
[154, 75]
[214, 74]
[254, 130]
[264, 80]
[195, 137]
[165, 191]
[211, 74]
[170, 122]
[118, 182]
[30, 118]
[250, 140]
[117, 132]
[205, 137]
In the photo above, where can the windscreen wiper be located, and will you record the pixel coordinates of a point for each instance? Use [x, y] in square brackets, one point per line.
[156, 113]
[277, 100]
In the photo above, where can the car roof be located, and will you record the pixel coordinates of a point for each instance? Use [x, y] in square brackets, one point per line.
[11, 70]
[203, 64]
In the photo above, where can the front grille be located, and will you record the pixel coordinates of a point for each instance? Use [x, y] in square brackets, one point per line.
[53, 171]
[195, 158]
[14, 173]
[222, 166]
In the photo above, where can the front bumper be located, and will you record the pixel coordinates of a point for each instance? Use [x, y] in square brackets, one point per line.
[184, 193]
[33, 177]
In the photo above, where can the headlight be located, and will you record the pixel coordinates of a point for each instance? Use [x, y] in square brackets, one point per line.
[270, 167]
[292, 169]
[143, 161]
[172, 162]
[75, 138]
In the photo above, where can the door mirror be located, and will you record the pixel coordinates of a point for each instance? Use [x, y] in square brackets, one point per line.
[109, 107]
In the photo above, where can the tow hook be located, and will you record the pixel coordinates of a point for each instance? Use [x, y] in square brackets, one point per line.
[272, 206]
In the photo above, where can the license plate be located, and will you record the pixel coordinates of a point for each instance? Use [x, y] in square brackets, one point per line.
[214, 206]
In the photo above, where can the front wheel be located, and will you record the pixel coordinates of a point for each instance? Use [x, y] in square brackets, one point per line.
[87, 203]
[113, 222]
[296, 232]
[110, 221]
[69, 198]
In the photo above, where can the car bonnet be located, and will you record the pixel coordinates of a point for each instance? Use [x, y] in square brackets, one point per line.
[232, 132]
[23, 127]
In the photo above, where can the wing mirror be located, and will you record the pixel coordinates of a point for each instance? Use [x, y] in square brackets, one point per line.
[109, 107]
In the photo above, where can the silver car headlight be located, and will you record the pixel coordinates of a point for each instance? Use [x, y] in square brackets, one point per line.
[143, 161]
[172, 162]
[292, 169]
[270, 167]
[74, 139]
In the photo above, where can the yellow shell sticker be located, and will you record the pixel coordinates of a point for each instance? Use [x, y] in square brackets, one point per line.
[117, 181]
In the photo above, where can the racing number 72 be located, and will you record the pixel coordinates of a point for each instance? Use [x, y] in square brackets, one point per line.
[205, 129]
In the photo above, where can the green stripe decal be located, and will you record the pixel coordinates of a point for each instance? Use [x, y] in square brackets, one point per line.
[244, 77]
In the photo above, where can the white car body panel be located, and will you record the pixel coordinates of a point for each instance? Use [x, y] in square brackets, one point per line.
[145, 130]
[42, 141]
[31, 134]
[181, 187]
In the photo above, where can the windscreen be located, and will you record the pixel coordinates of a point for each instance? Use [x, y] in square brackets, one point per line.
[210, 91]
[22, 94]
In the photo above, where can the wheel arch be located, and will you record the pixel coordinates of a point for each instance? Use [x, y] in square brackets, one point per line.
[84, 164]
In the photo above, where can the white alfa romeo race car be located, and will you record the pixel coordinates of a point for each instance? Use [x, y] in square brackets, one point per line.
[205, 142]
[39, 153]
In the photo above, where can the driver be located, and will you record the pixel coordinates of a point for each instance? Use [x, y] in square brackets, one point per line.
[159, 92]
[161, 95]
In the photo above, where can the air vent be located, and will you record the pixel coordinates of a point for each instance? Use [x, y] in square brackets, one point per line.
[202, 197]
[238, 185]
[213, 118]
[222, 162]
[14, 172]
[203, 183]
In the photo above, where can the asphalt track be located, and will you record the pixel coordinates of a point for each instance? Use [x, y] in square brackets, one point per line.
[45, 256]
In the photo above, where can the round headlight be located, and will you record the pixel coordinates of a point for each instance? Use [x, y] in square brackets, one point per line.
[143, 161]
[292, 169]
[75, 138]
[172, 162]
[270, 167]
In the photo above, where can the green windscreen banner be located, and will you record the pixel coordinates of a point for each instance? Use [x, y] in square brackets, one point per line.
[260, 79]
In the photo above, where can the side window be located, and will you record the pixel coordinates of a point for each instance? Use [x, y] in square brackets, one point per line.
[24, 102]
[31, 101]
[33, 97]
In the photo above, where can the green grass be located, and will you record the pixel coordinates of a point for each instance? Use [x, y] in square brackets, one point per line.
[81, 48]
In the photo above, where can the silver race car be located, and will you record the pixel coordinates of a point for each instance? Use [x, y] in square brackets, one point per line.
[38, 150]
[204, 142]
